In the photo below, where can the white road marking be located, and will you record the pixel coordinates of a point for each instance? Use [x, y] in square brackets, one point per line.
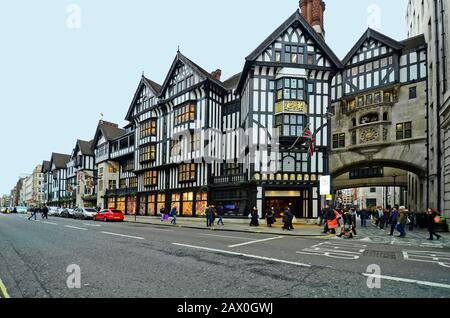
[406, 280]
[122, 235]
[225, 236]
[340, 250]
[440, 258]
[76, 228]
[242, 254]
[258, 241]
[93, 225]
[51, 223]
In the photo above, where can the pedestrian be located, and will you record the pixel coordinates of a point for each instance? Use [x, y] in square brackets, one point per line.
[325, 215]
[33, 213]
[287, 220]
[322, 214]
[402, 222]
[14, 210]
[432, 218]
[208, 213]
[254, 217]
[162, 211]
[173, 214]
[45, 212]
[333, 220]
[393, 220]
[347, 228]
[270, 217]
[381, 219]
[220, 215]
[364, 217]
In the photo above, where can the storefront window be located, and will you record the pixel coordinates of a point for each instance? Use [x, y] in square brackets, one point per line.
[111, 203]
[176, 199]
[188, 204]
[131, 205]
[161, 202]
[121, 204]
[151, 200]
[142, 205]
[201, 203]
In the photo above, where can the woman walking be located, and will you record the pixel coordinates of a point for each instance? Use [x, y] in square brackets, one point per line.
[254, 215]
[402, 222]
[432, 216]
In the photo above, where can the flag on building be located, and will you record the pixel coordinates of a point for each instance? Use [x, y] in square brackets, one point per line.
[312, 142]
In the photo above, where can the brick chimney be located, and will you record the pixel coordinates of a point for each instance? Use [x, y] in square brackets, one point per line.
[313, 12]
[217, 74]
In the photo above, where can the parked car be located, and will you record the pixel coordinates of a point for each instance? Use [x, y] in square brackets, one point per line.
[85, 213]
[109, 215]
[67, 213]
[59, 211]
[22, 209]
[52, 210]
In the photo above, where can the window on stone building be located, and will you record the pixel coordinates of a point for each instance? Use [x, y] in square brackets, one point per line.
[404, 131]
[412, 92]
[339, 141]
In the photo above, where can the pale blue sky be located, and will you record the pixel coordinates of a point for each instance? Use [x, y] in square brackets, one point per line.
[55, 81]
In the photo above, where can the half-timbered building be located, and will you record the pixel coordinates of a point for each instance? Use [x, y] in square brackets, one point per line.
[58, 180]
[80, 176]
[47, 181]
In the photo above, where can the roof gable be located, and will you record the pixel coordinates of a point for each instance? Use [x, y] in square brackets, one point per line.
[368, 41]
[59, 161]
[153, 87]
[182, 67]
[109, 131]
[307, 34]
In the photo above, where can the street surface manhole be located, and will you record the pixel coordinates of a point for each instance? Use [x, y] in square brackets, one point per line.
[380, 254]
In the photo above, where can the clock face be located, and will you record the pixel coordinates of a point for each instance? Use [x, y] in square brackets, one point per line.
[369, 135]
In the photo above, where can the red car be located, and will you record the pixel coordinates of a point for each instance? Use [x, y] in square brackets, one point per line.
[109, 215]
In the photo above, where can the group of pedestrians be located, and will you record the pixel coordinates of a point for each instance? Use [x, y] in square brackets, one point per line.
[43, 211]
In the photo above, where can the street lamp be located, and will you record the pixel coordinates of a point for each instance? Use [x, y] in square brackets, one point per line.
[395, 185]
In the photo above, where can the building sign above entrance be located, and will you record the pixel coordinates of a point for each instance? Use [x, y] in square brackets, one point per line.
[364, 173]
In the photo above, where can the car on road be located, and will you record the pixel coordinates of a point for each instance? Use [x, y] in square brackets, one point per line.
[67, 213]
[85, 213]
[109, 215]
[22, 209]
[52, 210]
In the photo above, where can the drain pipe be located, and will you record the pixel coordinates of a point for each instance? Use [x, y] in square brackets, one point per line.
[444, 54]
[438, 106]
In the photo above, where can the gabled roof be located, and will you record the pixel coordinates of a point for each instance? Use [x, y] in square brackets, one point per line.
[295, 18]
[85, 147]
[59, 160]
[108, 131]
[199, 70]
[233, 81]
[45, 166]
[153, 86]
[372, 34]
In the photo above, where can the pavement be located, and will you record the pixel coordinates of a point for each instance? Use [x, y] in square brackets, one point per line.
[65, 258]
[371, 234]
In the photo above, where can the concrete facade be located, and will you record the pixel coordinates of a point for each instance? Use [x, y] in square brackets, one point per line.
[431, 18]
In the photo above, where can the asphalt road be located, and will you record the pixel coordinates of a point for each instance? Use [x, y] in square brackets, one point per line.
[133, 260]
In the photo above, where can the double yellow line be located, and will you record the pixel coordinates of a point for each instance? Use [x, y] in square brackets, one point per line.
[3, 290]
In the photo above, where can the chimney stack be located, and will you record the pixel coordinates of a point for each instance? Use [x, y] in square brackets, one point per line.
[217, 74]
[313, 12]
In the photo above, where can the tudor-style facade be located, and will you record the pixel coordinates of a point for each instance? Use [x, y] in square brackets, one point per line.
[114, 161]
[285, 85]
[57, 180]
[81, 189]
[46, 180]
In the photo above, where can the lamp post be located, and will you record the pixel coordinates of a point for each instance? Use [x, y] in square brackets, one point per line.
[395, 185]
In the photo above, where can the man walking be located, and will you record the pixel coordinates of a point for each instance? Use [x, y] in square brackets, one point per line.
[33, 213]
[393, 220]
[220, 216]
[45, 212]
[209, 217]
[173, 214]
[402, 222]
